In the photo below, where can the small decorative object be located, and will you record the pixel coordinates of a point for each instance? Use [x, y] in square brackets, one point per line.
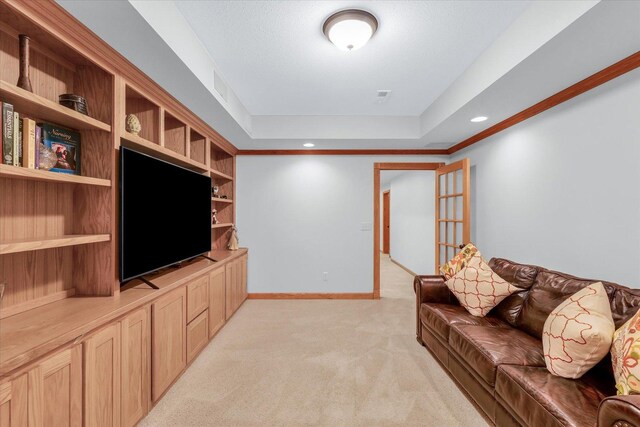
[75, 102]
[132, 124]
[214, 191]
[233, 239]
[65, 144]
[48, 158]
[214, 218]
[23, 78]
[224, 197]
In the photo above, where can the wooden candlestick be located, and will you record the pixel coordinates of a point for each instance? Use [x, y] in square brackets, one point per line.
[23, 80]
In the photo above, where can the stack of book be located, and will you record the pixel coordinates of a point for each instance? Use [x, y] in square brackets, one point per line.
[24, 140]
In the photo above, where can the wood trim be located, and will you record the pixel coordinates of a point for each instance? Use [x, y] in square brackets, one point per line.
[619, 68]
[402, 267]
[363, 152]
[285, 295]
[34, 303]
[377, 167]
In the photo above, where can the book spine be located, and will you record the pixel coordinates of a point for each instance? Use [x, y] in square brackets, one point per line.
[7, 134]
[28, 143]
[16, 139]
[37, 148]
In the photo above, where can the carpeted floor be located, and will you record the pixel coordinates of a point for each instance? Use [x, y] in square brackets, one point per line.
[318, 362]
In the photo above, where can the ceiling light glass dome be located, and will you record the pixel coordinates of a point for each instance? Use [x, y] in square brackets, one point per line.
[350, 29]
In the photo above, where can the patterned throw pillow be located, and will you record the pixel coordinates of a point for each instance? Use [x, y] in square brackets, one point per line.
[478, 288]
[578, 333]
[625, 355]
[458, 262]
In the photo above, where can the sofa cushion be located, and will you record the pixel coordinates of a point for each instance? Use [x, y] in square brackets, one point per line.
[549, 290]
[522, 277]
[540, 398]
[484, 349]
[439, 317]
[625, 355]
[459, 261]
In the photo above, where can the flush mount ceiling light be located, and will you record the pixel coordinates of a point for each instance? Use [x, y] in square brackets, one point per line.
[350, 29]
[479, 119]
[308, 144]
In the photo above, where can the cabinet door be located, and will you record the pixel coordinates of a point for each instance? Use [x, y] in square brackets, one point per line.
[197, 297]
[102, 377]
[230, 288]
[217, 300]
[136, 365]
[13, 402]
[55, 390]
[197, 335]
[168, 354]
[243, 285]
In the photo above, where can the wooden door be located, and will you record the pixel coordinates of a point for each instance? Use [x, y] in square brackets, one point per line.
[453, 210]
[243, 274]
[197, 297]
[102, 391]
[230, 281]
[197, 335]
[13, 402]
[55, 390]
[217, 301]
[386, 222]
[135, 367]
[168, 354]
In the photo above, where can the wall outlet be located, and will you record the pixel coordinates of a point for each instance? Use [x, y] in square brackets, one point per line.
[325, 276]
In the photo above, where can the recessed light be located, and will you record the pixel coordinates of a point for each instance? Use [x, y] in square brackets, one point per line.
[309, 144]
[479, 119]
[350, 29]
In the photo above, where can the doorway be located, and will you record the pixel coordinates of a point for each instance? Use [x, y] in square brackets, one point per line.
[386, 222]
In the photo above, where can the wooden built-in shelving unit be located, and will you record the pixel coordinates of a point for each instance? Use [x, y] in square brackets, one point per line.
[24, 245]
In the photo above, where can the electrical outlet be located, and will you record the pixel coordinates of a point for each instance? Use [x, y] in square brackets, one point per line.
[325, 276]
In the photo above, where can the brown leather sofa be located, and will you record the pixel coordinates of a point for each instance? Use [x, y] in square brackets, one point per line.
[498, 359]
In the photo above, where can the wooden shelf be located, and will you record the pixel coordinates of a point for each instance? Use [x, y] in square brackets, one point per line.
[222, 225]
[219, 174]
[43, 109]
[218, 199]
[163, 153]
[23, 245]
[17, 172]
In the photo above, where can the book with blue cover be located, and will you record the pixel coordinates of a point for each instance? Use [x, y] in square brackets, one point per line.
[65, 143]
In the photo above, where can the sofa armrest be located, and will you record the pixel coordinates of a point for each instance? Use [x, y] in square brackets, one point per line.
[619, 411]
[430, 289]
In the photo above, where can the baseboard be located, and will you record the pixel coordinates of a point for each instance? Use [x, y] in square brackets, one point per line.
[352, 295]
[402, 266]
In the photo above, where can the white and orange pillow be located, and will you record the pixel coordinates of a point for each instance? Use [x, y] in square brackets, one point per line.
[477, 287]
[459, 261]
[625, 355]
[578, 333]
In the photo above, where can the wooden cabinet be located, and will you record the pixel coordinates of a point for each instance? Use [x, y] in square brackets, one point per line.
[135, 367]
[236, 284]
[13, 402]
[168, 354]
[217, 301]
[197, 335]
[243, 278]
[197, 297]
[55, 390]
[102, 393]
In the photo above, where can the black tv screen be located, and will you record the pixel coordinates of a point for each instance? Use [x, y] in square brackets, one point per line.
[165, 214]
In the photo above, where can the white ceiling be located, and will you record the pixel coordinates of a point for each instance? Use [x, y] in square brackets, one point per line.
[277, 61]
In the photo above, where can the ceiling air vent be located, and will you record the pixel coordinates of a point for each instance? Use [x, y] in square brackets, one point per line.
[219, 85]
[382, 95]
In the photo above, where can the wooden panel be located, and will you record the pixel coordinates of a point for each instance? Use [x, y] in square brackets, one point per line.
[386, 222]
[230, 289]
[24, 245]
[102, 393]
[175, 135]
[221, 163]
[14, 402]
[14, 172]
[197, 297]
[55, 390]
[148, 147]
[244, 273]
[197, 147]
[168, 340]
[136, 366]
[147, 112]
[197, 335]
[217, 300]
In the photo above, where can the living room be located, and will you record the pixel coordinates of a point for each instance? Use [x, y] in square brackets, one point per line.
[194, 214]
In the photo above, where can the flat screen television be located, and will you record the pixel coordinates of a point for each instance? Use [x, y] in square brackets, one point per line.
[165, 214]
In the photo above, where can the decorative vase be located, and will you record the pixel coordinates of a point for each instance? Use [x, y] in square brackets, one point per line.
[23, 79]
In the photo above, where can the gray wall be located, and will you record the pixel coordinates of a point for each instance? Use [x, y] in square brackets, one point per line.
[561, 189]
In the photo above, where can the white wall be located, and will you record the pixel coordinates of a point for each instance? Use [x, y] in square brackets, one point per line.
[302, 215]
[561, 189]
[413, 221]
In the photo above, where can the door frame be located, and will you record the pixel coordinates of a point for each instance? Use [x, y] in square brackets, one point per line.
[377, 167]
[386, 212]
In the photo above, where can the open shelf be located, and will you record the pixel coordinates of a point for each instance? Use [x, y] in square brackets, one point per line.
[175, 134]
[222, 225]
[43, 109]
[197, 147]
[219, 174]
[148, 147]
[147, 112]
[17, 172]
[23, 245]
[218, 199]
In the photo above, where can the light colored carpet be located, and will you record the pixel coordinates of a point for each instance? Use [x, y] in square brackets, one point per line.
[318, 363]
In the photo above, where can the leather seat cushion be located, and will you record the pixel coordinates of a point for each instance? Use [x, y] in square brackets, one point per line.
[439, 317]
[540, 398]
[484, 349]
